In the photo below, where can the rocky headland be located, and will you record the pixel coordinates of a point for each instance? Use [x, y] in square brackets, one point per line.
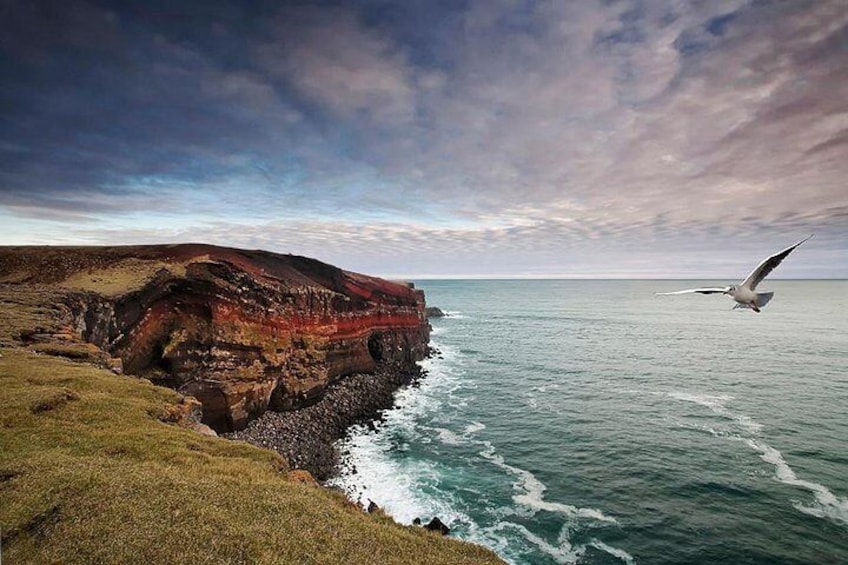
[111, 359]
[241, 331]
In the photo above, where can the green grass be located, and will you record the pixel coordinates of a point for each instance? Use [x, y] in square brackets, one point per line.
[122, 277]
[89, 474]
[24, 308]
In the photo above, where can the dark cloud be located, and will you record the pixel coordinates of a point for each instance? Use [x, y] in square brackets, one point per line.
[502, 129]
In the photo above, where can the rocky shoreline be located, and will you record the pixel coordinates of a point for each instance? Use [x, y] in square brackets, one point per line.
[306, 437]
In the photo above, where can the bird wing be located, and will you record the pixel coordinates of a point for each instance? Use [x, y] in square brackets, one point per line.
[706, 290]
[767, 266]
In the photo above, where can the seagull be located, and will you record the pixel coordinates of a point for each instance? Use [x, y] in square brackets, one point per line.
[744, 294]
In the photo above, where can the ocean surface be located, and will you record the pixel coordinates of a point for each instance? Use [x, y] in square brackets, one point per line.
[594, 422]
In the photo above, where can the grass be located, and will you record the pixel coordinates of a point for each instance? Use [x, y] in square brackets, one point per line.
[90, 474]
[23, 308]
[123, 277]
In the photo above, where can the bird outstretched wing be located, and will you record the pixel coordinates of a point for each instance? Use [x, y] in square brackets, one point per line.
[767, 266]
[706, 290]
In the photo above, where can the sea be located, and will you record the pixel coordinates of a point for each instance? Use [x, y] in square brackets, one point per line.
[593, 422]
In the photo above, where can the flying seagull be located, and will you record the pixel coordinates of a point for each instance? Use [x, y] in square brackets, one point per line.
[744, 294]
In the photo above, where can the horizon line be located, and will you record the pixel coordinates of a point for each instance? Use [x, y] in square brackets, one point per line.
[607, 277]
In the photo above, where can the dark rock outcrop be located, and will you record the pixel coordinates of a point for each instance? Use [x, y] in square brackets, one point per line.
[436, 525]
[241, 331]
[433, 312]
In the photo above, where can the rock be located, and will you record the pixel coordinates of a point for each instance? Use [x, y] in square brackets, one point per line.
[433, 312]
[416, 522]
[116, 365]
[436, 525]
[202, 429]
[306, 437]
[242, 331]
[372, 506]
[186, 412]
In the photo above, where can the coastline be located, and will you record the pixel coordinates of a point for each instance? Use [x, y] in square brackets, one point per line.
[306, 437]
[95, 447]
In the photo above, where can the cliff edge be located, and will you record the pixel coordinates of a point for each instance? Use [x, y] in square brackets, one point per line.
[242, 331]
[92, 467]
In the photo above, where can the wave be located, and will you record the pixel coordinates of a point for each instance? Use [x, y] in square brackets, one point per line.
[409, 486]
[533, 491]
[474, 427]
[827, 505]
[450, 437]
[455, 314]
[716, 403]
[370, 472]
[614, 551]
[564, 553]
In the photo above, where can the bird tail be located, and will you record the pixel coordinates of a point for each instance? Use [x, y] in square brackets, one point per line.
[763, 298]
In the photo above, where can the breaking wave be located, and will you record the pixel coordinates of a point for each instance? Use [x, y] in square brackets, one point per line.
[378, 465]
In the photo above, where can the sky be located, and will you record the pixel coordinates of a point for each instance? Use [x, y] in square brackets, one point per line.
[582, 138]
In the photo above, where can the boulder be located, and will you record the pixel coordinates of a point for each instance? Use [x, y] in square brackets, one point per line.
[436, 525]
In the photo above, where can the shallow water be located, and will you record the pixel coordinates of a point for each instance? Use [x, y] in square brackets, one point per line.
[594, 422]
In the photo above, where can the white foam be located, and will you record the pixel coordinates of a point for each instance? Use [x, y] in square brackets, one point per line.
[474, 427]
[614, 551]
[564, 553]
[395, 487]
[454, 314]
[827, 504]
[448, 437]
[533, 491]
[714, 402]
[409, 489]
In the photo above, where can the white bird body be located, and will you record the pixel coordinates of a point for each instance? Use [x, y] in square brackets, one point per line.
[742, 295]
[745, 294]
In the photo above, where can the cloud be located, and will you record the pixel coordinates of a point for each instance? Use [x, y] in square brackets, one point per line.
[507, 132]
[328, 57]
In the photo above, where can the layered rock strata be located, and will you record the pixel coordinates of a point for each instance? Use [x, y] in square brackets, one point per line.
[241, 331]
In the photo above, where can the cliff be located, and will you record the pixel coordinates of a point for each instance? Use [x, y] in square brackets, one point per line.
[241, 331]
[87, 455]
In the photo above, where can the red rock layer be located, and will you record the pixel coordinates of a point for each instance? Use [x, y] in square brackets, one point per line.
[242, 331]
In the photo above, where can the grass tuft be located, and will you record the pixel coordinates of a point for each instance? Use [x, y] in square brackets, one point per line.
[53, 400]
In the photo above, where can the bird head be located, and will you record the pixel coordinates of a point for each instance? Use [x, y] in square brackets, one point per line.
[730, 289]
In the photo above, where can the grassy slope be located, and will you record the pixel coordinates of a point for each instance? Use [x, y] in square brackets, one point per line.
[89, 474]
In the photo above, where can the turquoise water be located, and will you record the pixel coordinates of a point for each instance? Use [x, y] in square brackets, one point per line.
[593, 422]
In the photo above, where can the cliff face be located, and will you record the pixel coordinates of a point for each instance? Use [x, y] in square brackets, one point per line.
[242, 331]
